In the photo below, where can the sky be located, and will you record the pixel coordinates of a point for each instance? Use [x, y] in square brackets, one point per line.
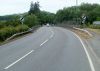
[20, 6]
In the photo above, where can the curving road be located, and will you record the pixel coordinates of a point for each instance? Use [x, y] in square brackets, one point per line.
[48, 49]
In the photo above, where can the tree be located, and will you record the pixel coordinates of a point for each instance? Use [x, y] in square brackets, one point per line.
[92, 12]
[98, 18]
[31, 20]
[34, 8]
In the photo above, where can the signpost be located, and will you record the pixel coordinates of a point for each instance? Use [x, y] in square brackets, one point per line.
[22, 19]
[76, 12]
[84, 19]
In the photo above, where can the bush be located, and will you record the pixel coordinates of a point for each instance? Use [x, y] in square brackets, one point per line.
[12, 23]
[9, 31]
[6, 32]
[31, 20]
[2, 24]
[21, 28]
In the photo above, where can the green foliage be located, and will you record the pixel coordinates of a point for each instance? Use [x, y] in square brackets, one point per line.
[42, 16]
[21, 28]
[6, 32]
[31, 20]
[2, 24]
[45, 17]
[10, 27]
[9, 31]
[95, 26]
[67, 14]
[92, 11]
[98, 19]
[9, 17]
[34, 8]
[12, 23]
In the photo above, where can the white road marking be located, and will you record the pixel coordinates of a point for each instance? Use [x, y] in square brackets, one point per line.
[48, 38]
[18, 60]
[86, 51]
[52, 34]
[93, 52]
[44, 42]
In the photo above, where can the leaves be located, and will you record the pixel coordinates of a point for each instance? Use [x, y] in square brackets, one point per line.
[34, 8]
[31, 20]
[92, 11]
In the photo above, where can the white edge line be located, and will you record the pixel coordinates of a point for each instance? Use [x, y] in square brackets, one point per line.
[88, 56]
[93, 52]
[18, 60]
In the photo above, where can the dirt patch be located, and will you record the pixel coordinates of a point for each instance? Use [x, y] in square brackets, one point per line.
[81, 34]
[95, 30]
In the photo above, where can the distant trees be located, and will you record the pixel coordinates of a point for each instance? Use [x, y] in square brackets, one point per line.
[9, 17]
[67, 14]
[12, 24]
[91, 11]
[45, 17]
[42, 16]
[34, 8]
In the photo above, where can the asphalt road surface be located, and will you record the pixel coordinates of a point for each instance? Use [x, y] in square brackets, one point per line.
[48, 49]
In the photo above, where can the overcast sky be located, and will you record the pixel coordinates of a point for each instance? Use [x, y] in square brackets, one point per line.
[20, 6]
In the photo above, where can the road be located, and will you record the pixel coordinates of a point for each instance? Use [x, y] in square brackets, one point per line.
[48, 49]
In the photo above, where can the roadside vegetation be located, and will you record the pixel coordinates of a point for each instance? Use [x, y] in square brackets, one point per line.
[94, 26]
[12, 24]
[81, 16]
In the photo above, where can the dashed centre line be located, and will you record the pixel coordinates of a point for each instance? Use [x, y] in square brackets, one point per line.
[28, 52]
[48, 38]
[18, 60]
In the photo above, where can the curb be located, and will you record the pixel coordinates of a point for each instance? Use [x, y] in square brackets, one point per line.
[17, 34]
[83, 30]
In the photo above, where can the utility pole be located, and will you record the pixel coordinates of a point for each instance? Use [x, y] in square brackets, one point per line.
[22, 19]
[76, 12]
[76, 2]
